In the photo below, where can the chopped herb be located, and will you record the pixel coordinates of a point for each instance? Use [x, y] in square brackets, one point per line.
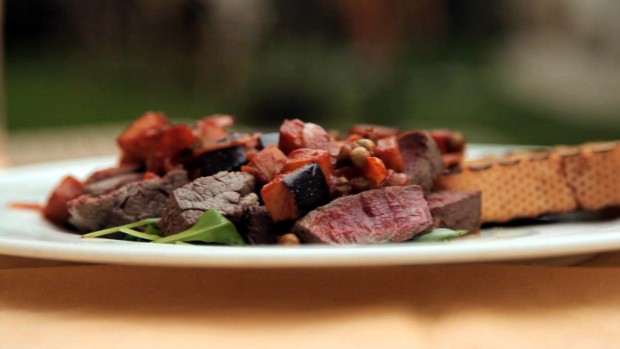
[439, 234]
[212, 227]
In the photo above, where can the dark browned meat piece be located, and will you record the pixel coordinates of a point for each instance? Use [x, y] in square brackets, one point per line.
[456, 210]
[230, 193]
[371, 217]
[130, 203]
[421, 158]
[258, 226]
[107, 180]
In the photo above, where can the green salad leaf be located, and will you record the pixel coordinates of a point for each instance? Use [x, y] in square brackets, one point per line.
[439, 234]
[149, 234]
[212, 227]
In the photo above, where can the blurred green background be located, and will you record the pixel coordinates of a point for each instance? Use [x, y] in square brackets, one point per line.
[529, 72]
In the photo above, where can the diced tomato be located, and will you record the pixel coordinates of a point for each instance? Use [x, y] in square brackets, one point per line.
[295, 134]
[279, 200]
[315, 137]
[389, 151]
[302, 157]
[176, 139]
[139, 140]
[266, 164]
[375, 170]
[212, 128]
[290, 135]
[373, 132]
[56, 208]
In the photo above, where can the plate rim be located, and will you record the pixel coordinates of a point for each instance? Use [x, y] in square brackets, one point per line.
[130, 253]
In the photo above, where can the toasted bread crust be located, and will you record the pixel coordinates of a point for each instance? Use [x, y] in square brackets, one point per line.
[532, 183]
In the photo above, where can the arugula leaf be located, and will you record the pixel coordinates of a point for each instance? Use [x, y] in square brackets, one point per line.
[138, 234]
[212, 227]
[148, 222]
[439, 234]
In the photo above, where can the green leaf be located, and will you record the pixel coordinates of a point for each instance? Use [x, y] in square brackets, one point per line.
[153, 229]
[99, 233]
[439, 234]
[212, 227]
[138, 234]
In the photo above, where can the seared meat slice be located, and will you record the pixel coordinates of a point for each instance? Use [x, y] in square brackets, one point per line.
[109, 179]
[421, 158]
[374, 216]
[456, 210]
[228, 192]
[130, 203]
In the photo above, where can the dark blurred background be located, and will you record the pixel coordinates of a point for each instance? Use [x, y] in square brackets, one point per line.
[538, 72]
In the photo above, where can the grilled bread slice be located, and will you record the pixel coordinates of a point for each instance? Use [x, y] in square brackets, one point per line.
[532, 183]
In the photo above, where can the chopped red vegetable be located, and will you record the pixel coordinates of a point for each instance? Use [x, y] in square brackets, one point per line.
[375, 170]
[279, 200]
[295, 134]
[212, 128]
[176, 139]
[140, 139]
[302, 157]
[388, 151]
[56, 208]
[266, 164]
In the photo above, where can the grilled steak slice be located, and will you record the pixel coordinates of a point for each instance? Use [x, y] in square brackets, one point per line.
[456, 210]
[110, 179]
[374, 216]
[421, 158]
[130, 203]
[228, 192]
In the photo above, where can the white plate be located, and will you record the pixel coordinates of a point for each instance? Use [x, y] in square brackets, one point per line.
[24, 233]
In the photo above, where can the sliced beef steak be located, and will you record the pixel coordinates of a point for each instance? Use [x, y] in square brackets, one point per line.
[228, 192]
[130, 203]
[456, 210]
[421, 158]
[110, 179]
[370, 217]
